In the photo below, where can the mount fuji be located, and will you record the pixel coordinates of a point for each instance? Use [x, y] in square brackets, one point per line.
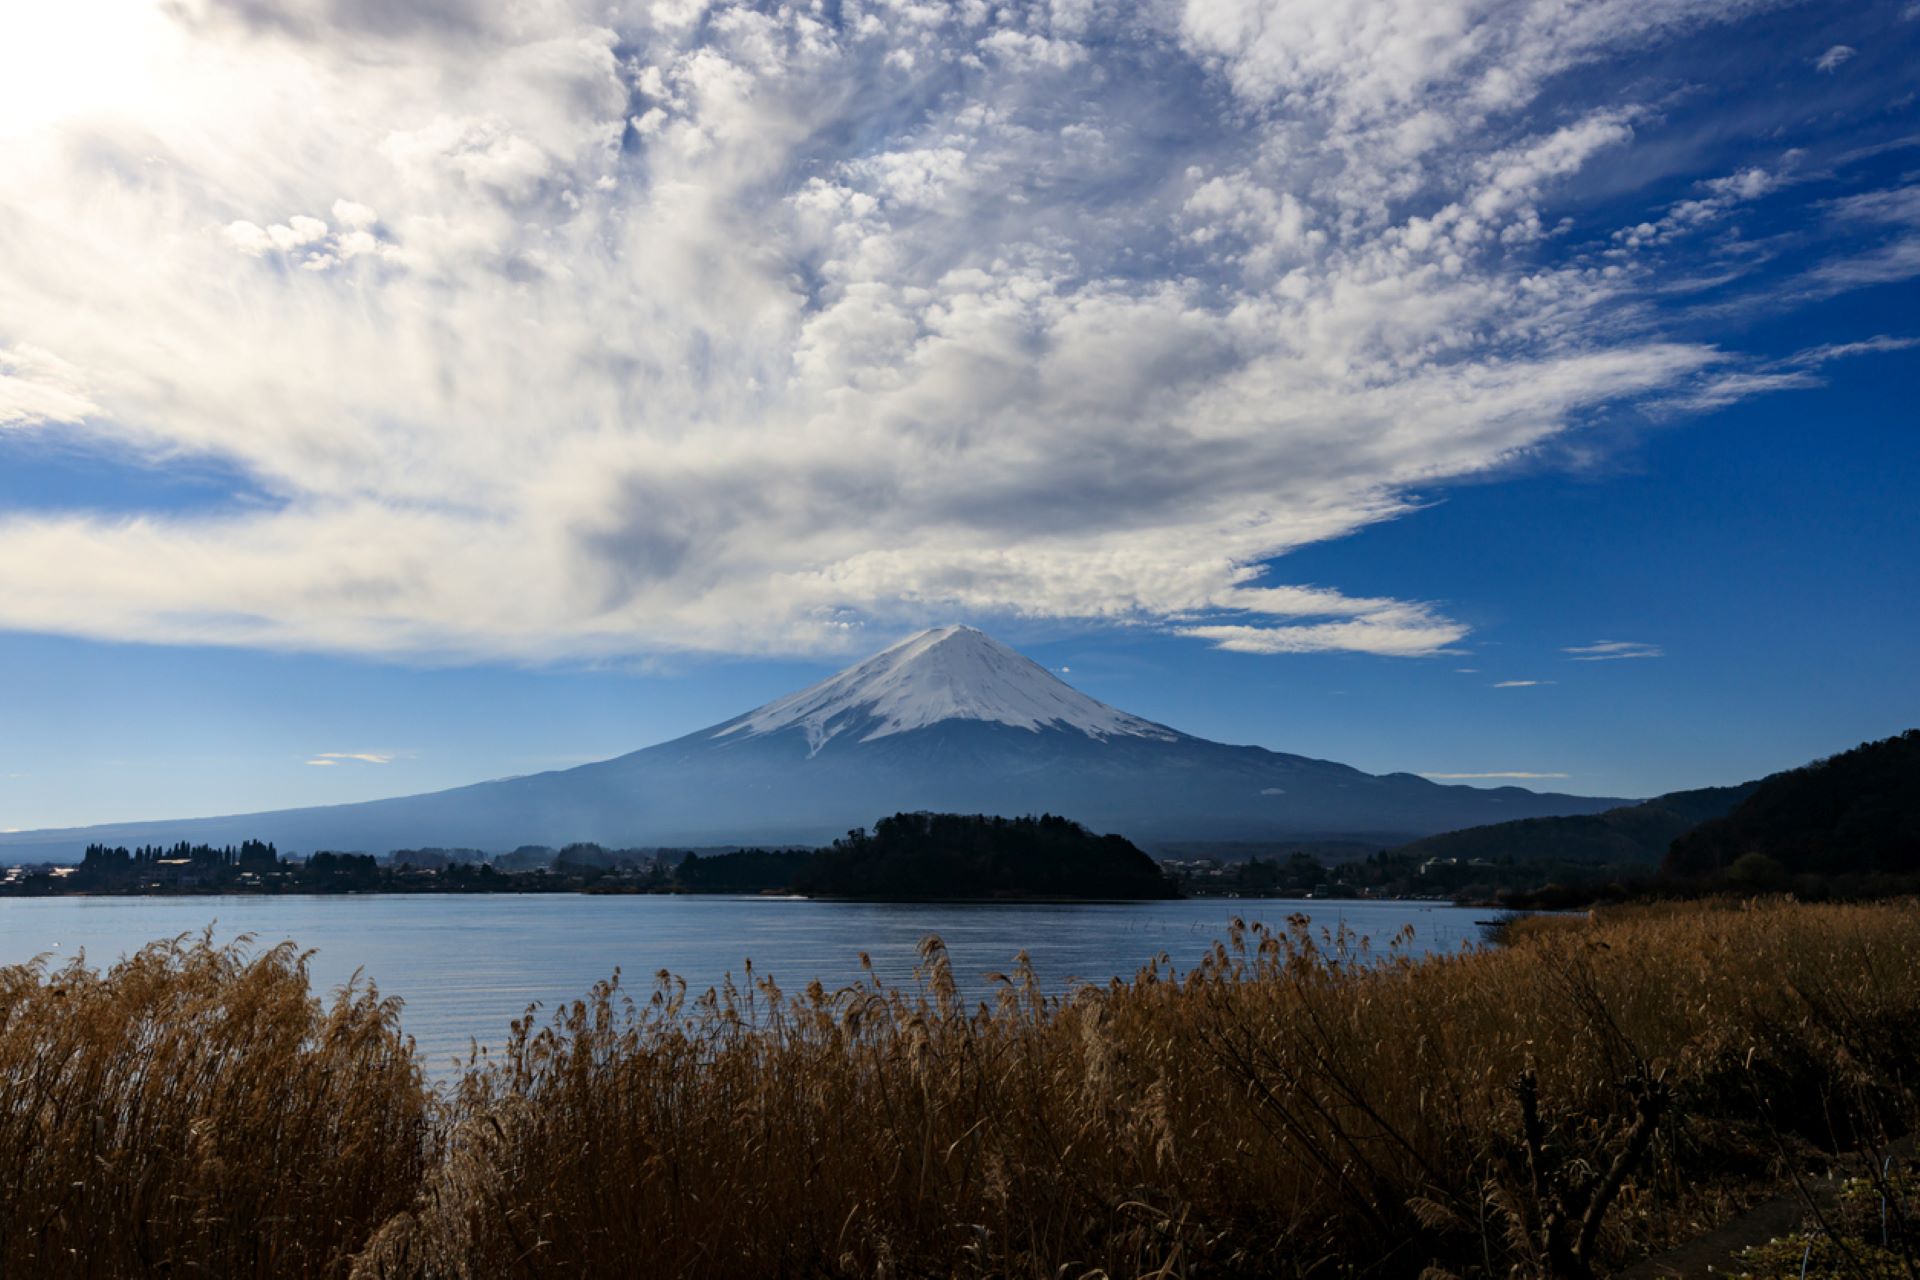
[949, 720]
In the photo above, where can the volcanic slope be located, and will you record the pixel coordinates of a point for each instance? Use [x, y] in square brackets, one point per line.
[949, 720]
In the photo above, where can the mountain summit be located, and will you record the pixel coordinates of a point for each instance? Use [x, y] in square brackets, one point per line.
[949, 673]
[949, 720]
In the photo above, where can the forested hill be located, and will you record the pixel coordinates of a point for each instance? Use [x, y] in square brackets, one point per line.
[1635, 834]
[950, 855]
[1857, 813]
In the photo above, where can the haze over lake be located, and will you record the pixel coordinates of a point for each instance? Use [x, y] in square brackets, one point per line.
[466, 966]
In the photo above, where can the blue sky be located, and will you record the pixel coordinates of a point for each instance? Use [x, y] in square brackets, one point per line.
[445, 399]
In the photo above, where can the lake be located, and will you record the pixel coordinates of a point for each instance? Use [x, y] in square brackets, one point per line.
[467, 965]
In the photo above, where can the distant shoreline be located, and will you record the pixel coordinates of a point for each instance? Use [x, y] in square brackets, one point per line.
[560, 890]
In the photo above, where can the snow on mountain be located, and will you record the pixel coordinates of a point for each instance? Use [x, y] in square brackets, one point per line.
[948, 721]
[949, 673]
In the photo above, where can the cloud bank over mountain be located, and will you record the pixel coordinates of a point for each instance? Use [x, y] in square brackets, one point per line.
[567, 331]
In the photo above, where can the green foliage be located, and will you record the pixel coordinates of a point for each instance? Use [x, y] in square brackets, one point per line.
[1845, 827]
[1299, 873]
[343, 866]
[586, 856]
[1857, 813]
[1630, 836]
[747, 871]
[1757, 873]
[948, 855]
[1870, 1231]
[104, 860]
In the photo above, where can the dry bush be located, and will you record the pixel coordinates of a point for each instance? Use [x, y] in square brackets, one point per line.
[1514, 927]
[196, 1109]
[1298, 1104]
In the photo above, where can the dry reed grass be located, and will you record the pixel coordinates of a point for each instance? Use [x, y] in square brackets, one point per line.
[1297, 1105]
[195, 1109]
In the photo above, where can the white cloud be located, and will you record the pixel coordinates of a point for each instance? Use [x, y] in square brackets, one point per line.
[1896, 257]
[1613, 650]
[300, 230]
[1877, 345]
[1719, 197]
[1720, 390]
[1400, 631]
[1835, 58]
[713, 326]
[1515, 178]
[1520, 684]
[249, 238]
[1514, 774]
[351, 214]
[1716, 389]
[1028, 50]
[37, 386]
[326, 758]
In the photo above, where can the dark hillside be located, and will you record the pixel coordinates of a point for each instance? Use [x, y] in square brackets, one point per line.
[1637, 834]
[948, 855]
[1857, 813]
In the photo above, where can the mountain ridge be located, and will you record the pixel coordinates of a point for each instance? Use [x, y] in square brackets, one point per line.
[949, 720]
[1634, 834]
[1849, 814]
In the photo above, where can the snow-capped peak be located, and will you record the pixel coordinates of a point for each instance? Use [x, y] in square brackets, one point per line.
[949, 673]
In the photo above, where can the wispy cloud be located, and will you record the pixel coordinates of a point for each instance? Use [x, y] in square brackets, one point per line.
[1835, 58]
[1892, 257]
[1796, 372]
[1386, 627]
[1813, 357]
[1711, 200]
[330, 758]
[1515, 774]
[1719, 390]
[1519, 684]
[1612, 650]
[733, 327]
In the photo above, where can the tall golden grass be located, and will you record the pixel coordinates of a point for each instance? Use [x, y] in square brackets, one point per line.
[1299, 1104]
[195, 1109]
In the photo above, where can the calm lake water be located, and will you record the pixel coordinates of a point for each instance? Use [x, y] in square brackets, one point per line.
[466, 966]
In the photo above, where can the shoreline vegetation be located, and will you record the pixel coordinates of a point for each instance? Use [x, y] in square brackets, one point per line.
[1843, 828]
[909, 857]
[1595, 1091]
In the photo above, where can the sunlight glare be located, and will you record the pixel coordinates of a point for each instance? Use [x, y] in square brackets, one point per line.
[67, 59]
